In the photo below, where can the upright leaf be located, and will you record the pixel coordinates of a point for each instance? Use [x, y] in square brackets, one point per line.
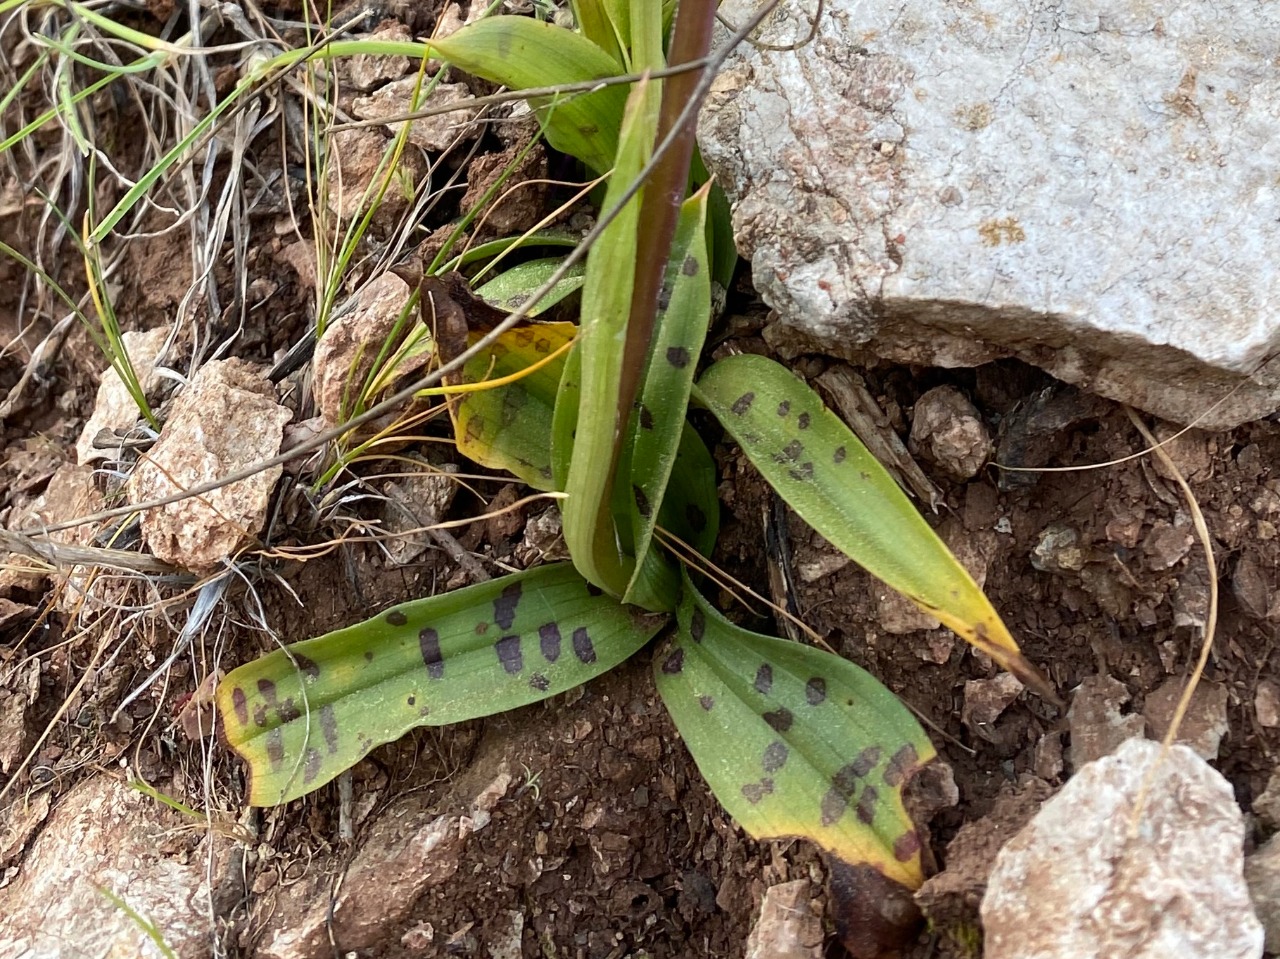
[658, 420]
[301, 715]
[820, 468]
[795, 741]
[606, 301]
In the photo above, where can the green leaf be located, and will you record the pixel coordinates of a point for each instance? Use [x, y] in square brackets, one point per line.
[606, 304]
[520, 52]
[691, 503]
[564, 422]
[301, 715]
[795, 741]
[820, 468]
[511, 289]
[506, 427]
[592, 17]
[680, 330]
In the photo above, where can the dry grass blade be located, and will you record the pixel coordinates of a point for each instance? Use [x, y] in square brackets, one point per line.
[61, 554]
[1210, 625]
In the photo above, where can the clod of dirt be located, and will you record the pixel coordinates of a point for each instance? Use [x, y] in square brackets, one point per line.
[789, 927]
[352, 177]
[1266, 703]
[1059, 550]
[368, 71]
[1252, 587]
[434, 133]
[114, 408]
[407, 850]
[105, 836]
[1262, 873]
[414, 501]
[950, 899]
[948, 431]
[225, 420]
[346, 352]
[1097, 726]
[1074, 882]
[520, 209]
[1205, 722]
[985, 700]
[1266, 805]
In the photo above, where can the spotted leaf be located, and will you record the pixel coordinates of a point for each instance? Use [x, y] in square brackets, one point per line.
[658, 420]
[589, 529]
[511, 289]
[301, 715]
[820, 468]
[507, 427]
[795, 741]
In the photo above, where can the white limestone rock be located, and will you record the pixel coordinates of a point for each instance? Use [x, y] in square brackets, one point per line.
[1088, 185]
[1074, 883]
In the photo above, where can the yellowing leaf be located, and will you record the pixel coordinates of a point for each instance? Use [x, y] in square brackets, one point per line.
[795, 741]
[826, 475]
[508, 427]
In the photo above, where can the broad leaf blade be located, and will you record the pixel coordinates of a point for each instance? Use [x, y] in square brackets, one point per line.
[606, 303]
[795, 741]
[512, 288]
[680, 329]
[301, 716]
[820, 468]
[520, 52]
[506, 427]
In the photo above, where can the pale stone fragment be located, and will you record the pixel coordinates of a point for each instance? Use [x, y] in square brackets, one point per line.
[226, 419]
[1077, 881]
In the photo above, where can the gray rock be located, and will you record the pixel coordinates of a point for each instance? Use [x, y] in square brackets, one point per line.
[1262, 872]
[351, 344]
[436, 133]
[1076, 882]
[104, 836]
[1087, 185]
[407, 850]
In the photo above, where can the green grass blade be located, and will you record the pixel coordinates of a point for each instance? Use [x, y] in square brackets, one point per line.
[606, 305]
[820, 468]
[301, 715]
[795, 741]
[684, 304]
